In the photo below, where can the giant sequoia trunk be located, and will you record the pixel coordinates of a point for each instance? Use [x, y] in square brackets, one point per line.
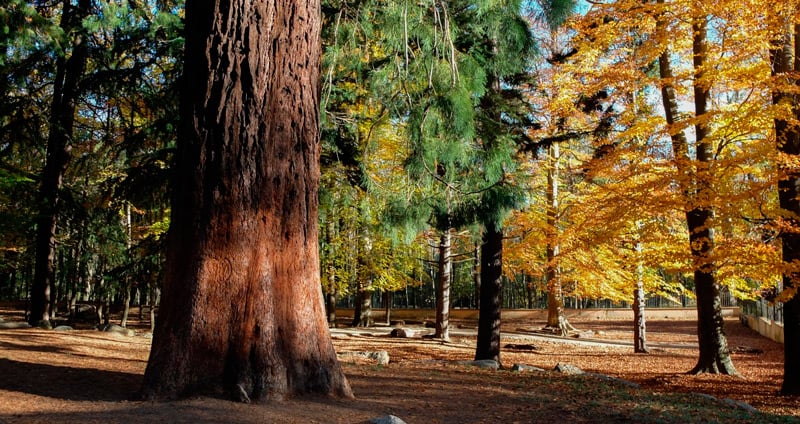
[69, 72]
[488, 345]
[242, 306]
[788, 143]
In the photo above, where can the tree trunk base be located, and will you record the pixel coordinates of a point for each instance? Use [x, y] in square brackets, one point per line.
[718, 367]
[564, 328]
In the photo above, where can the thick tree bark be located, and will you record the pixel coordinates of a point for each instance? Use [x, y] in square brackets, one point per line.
[69, 72]
[488, 344]
[443, 289]
[242, 306]
[788, 143]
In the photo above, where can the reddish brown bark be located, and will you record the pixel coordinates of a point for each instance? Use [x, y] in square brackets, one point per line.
[242, 307]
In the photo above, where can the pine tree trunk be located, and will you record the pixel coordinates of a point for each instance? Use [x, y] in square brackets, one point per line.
[488, 344]
[443, 298]
[69, 71]
[788, 142]
[242, 307]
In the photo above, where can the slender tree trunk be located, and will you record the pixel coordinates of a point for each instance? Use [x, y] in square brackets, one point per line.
[714, 353]
[639, 324]
[488, 344]
[443, 298]
[242, 306]
[387, 296]
[69, 71]
[330, 307]
[695, 180]
[788, 143]
[556, 320]
[476, 275]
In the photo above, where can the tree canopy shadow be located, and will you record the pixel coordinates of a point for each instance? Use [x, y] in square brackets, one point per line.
[68, 383]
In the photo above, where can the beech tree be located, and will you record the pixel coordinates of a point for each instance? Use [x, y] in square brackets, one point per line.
[242, 306]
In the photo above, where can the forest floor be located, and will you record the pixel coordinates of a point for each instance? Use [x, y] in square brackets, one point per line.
[88, 376]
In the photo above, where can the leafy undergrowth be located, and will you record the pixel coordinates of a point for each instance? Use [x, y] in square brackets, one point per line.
[90, 377]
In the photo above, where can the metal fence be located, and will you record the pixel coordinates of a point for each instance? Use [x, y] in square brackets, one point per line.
[763, 308]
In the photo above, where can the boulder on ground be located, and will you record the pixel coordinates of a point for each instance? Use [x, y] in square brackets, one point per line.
[402, 333]
[389, 419]
[380, 357]
[13, 325]
[63, 328]
[116, 329]
[482, 363]
[568, 369]
[526, 368]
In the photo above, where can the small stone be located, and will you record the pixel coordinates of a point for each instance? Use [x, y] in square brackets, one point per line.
[568, 369]
[380, 357]
[525, 368]
[389, 419]
[116, 329]
[739, 404]
[402, 333]
[482, 363]
[14, 325]
[584, 335]
[63, 328]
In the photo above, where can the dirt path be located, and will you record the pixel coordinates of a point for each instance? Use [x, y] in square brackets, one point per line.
[91, 377]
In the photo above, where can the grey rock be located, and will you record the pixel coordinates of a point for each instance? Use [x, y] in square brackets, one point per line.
[614, 380]
[380, 357]
[568, 369]
[116, 329]
[588, 334]
[63, 328]
[739, 404]
[482, 363]
[525, 368]
[389, 419]
[402, 333]
[14, 325]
